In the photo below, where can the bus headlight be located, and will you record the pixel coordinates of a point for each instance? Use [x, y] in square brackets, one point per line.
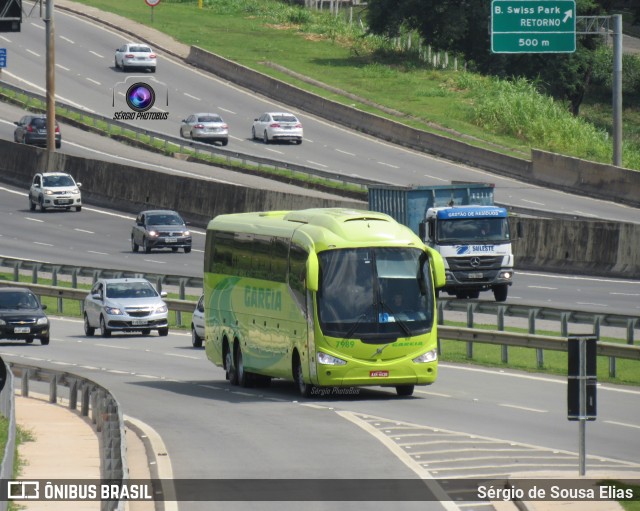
[328, 360]
[429, 356]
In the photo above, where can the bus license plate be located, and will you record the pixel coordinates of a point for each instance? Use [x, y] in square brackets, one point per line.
[478, 275]
[22, 330]
[378, 374]
[138, 322]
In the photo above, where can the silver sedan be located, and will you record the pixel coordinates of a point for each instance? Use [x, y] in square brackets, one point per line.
[205, 126]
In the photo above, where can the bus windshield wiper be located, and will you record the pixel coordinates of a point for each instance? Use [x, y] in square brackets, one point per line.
[354, 327]
[397, 320]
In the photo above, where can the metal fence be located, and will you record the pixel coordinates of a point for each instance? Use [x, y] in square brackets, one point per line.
[94, 401]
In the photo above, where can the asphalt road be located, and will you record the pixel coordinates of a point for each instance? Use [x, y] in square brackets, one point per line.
[472, 423]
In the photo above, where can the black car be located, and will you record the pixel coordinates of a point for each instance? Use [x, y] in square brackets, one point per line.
[32, 129]
[160, 228]
[22, 316]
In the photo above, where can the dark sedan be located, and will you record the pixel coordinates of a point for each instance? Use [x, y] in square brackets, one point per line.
[160, 228]
[22, 316]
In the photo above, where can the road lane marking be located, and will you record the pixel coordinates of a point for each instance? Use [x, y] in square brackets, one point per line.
[84, 230]
[62, 67]
[67, 39]
[96, 54]
[93, 81]
[388, 165]
[533, 202]
[114, 347]
[33, 219]
[345, 152]
[43, 244]
[595, 304]
[94, 252]
[543, 287]
[436, 178]
[316, 163]
[525, 408]
[437, 394]
[192, 97]
[34, 53]
[181, 356]
[226, 110]
[623, 424]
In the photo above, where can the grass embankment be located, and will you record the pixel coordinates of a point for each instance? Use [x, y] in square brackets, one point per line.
[508, 117]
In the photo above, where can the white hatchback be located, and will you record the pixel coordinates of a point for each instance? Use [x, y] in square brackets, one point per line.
[54, 190]
[272, 126]
[135, 55]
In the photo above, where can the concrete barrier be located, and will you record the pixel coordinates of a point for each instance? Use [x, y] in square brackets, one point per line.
[590, 247]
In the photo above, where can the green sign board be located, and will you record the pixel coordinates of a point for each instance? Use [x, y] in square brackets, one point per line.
[533, 26]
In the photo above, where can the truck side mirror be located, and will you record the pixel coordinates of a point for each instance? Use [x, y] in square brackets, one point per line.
[422, 230]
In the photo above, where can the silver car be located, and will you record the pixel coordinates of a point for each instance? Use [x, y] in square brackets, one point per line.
[197, 324]
[125, 305]
[55, 190]
[135, 55]
[272, 126]
[205, 126]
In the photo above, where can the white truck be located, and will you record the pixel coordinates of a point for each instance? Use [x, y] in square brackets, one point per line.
[462, 223]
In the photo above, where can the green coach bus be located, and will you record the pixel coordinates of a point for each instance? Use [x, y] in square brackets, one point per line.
[329, 298]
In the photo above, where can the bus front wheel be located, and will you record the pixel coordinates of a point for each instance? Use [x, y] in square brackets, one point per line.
[231, 373]
[304, 388]
[404, 390]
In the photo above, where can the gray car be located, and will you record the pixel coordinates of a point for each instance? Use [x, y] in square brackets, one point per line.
[206, 127]
[32, 129]
[125, 305]
[160, 228]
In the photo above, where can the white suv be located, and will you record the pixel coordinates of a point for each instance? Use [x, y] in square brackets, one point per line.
[56, 190]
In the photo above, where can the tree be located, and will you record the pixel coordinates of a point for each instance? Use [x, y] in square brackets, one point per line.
[463, 27]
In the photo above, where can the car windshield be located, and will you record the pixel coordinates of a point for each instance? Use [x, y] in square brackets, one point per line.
[18, 300]
[284, 118]
[54, 181]
[209, 118]
[140, 49]
[131, 290]
[164, 220]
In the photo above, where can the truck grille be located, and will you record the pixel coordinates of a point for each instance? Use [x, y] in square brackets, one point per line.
[474, 263]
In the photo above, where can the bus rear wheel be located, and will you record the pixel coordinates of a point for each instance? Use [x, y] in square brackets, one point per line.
[404, 390]
[244, 377]
[230, 368]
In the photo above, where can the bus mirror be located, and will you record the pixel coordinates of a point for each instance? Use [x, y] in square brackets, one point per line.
[312, 272]
[437, 268]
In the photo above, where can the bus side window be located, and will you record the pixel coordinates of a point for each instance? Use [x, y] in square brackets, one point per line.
[297, 275]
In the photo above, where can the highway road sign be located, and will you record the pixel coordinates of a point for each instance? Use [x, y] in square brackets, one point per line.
[3, 57]
[533, 26]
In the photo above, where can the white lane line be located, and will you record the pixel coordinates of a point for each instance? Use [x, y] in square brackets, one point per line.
[525, 408]
[67, 39]
[154, 261]
[345, 152]
[84, 230]
[623, 424]
[533, 202]
[583, 213]
[43, 244]
[181, 356]
[148, 376]
[226, 110]
[388, 165]
[33, 219]
[62, 67]
[93, 81]
[96, 54]
[437, 394]
[437, 178]
[274, 151]
[595, 304]
[37, 26]
[543, 287]
[94, 252]
[316, 163]
[192, 97]
[5, 38]
[114, 347]
[33, 53]
[212, 387]
[625, 294]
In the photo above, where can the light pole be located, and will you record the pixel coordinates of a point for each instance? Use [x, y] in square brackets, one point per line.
[51, 89]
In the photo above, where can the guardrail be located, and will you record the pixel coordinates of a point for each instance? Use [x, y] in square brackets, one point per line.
[181, 145]
[470, 335]
[97, 403]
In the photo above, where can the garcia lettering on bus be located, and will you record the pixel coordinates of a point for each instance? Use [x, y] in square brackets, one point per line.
[262, 298]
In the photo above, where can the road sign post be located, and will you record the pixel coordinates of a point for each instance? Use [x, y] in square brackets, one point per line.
[534, 26]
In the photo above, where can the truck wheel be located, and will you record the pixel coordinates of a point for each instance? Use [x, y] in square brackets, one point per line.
[500, 292]
[473, 294]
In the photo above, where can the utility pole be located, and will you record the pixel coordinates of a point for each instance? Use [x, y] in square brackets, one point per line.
[51, 85]
[617, 89]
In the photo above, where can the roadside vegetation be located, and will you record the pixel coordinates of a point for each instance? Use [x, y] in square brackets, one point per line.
[22, 436]
[425, 89]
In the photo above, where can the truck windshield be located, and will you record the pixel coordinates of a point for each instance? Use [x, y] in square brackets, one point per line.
[374, 293]
[473, 230]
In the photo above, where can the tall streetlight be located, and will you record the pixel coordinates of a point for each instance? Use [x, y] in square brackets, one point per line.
[51, 90]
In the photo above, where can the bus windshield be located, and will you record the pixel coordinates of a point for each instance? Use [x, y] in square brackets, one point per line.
[374, 293]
